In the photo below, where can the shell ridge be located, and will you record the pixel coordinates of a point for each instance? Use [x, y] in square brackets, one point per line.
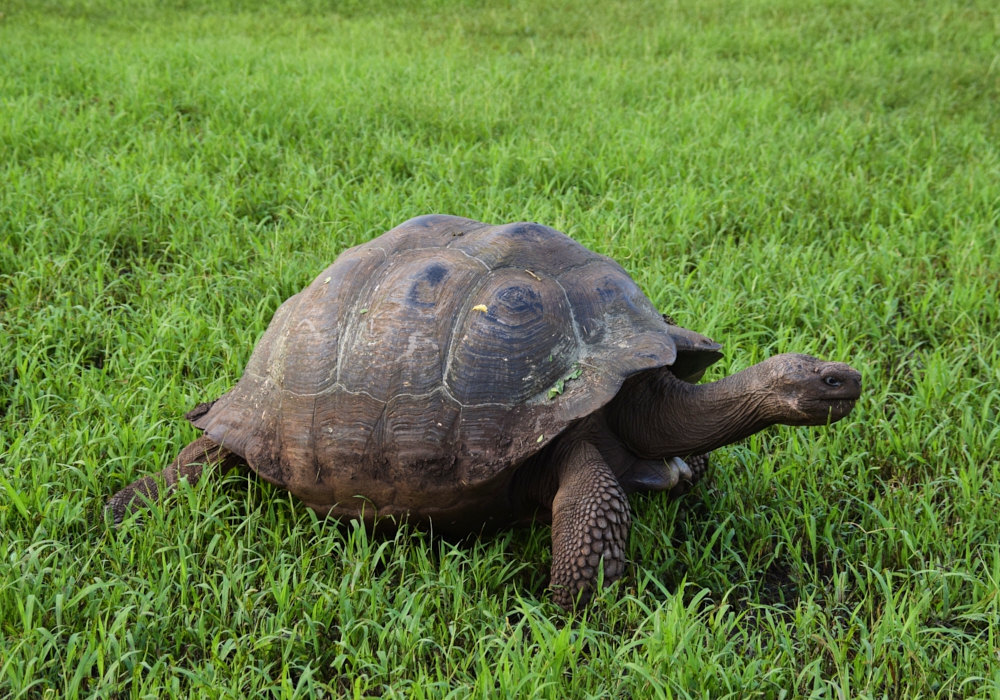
[274, 459]
[459, 323]
[476, 228]
[441, 388]
[468, 255]
[313, 432]
[279, 346]
[571, 268]
[448, 245]
[572, 316]
[348, 313]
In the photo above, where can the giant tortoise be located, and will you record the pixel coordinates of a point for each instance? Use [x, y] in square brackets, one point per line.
[475, 377]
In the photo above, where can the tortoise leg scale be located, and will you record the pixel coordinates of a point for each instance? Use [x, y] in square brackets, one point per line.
[189, 465]
[590, 522]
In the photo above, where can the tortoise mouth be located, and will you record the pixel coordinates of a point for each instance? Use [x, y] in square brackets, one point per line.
[835, 409]
[849, 392]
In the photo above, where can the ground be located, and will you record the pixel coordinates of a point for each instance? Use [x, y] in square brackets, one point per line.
[808, 176]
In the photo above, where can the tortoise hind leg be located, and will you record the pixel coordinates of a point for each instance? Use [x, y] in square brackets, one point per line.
[189, 465]
[590, 522]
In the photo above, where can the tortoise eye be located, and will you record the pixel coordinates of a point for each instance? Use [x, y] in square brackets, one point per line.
[832, 381]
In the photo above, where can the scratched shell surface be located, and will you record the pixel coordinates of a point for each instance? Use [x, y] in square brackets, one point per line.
[432, 352]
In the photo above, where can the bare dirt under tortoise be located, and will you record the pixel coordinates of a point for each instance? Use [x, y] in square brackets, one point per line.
[479, 377]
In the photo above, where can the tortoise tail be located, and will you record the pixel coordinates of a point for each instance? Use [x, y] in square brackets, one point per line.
[189, 464]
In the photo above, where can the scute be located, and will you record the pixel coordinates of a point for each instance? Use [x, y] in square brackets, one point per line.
[529, 246]
[607, 303]
[400, 323]
[441, 351]
[514, 339]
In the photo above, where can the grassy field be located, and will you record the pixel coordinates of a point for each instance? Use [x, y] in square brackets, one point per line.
[782, 175]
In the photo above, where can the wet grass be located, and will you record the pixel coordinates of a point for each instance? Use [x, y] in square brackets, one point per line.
[820, 177]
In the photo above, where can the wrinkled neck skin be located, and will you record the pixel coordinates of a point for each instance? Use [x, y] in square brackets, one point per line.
[659, 416]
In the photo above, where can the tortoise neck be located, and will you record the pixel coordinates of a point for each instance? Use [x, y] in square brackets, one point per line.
[659, 416]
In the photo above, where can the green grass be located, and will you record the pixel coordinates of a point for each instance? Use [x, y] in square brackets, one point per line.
[781, 175]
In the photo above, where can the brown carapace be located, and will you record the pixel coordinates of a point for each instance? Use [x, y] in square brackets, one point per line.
[478, 377]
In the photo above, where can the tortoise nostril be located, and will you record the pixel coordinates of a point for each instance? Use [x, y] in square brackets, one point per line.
[832, 381]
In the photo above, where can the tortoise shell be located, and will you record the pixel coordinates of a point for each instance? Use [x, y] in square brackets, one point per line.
[443, 352]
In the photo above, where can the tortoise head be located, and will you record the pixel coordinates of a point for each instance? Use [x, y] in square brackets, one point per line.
[804, 390]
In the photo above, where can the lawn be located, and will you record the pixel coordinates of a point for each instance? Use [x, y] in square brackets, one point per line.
[814, 176]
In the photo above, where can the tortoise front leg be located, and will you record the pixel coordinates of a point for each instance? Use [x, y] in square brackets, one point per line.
[675, 476]
[696, 467]
[590, 521]
[188, 465]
